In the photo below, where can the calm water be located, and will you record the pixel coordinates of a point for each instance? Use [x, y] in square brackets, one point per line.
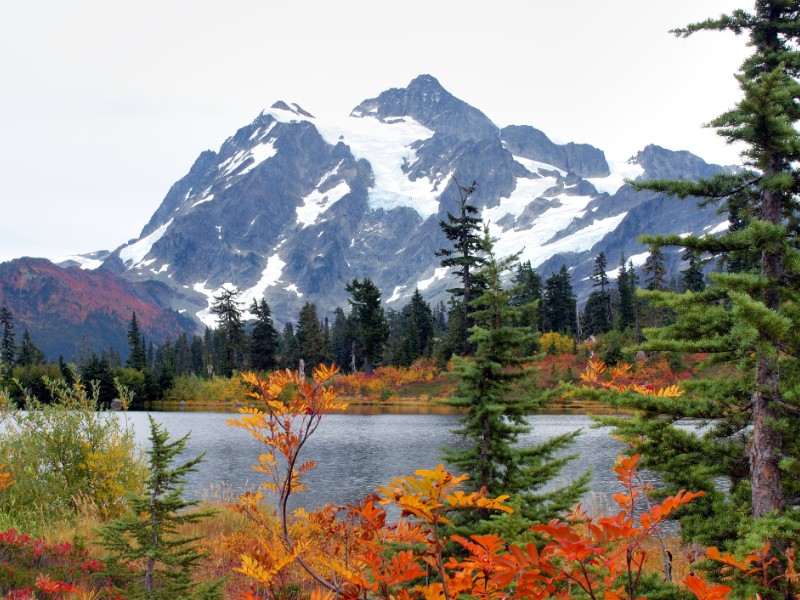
[356, 453]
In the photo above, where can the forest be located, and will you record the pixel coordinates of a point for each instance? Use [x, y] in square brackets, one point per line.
[84, 514]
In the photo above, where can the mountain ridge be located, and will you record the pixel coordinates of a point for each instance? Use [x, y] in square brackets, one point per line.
[292, 207]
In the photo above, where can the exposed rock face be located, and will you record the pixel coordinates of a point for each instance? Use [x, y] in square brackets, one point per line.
[292, 208]
[581, 159]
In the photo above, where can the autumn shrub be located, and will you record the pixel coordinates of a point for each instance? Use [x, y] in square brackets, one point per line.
[64, 455]
[31, 566]
[364, 556]
[385, 378]
[556, 343]
[198, 390]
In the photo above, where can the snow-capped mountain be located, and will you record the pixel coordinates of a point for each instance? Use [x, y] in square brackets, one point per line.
[293, 207]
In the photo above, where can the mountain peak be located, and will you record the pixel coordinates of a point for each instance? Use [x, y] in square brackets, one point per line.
[294, 108]
[660, 163]
[431, 105]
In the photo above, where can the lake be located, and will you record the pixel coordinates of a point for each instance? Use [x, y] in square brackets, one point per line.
[358, 452]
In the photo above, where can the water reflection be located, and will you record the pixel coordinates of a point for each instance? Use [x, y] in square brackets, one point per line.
[356, 453]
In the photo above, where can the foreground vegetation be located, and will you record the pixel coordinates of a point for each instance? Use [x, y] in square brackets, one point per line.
[490, 532]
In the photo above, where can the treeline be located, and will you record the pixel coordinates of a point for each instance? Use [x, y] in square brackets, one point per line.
[366, 335]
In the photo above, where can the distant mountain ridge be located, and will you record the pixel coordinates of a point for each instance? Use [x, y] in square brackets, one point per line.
[292, 207]
[68, 310]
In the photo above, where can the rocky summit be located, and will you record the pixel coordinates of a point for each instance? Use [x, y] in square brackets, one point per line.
[292, 207]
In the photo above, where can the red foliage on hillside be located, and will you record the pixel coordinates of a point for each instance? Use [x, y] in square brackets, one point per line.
[59, 305]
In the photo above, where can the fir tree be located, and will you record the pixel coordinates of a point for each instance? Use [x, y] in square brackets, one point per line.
[597, 316]
[626, 289]
[414, 336]
[654, 271]
[369, 321]
[264, 343]
[342, 340]
[747, 318]
[464, 231]
[310, 338]
[529, 295]
[560, 304]
[492, 394]
[137, 356]
[146, 541]
[289, 352]
[692, 278]
[8, 349]
[231, 330]
[29, 353]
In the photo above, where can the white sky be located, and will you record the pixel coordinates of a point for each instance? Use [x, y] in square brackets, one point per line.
[104, 104]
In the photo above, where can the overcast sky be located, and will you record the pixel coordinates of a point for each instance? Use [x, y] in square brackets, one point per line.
[106, 103]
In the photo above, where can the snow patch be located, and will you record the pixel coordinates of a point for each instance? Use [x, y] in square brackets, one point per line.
[293, 288]
[258, 153]
[316, 202]
[637, 260]
[386, 145]
[722, 227]
[395, 294]
[525, 192]
[270, 277]
[439, 273]
[132, 255]
[533, 166]
[206, 317]
[620, 171]
[87, 264]
[204, 199]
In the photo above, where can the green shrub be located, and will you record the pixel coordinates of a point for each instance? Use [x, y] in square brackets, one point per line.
[64, 455]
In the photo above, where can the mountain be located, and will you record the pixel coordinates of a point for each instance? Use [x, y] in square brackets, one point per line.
[293, 207]
[68, 310]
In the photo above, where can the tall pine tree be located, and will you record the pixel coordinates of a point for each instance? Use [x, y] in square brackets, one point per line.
[465, 257]
[369, 322]
[560, 304]
[747, 318]
[492, 395]
[137, 356]
[264, 341]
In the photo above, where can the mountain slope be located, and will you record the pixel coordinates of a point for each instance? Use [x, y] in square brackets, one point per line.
[69, 310]
[292, 207]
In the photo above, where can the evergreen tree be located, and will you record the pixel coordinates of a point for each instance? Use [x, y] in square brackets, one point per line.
[626, 289]
[182, 355]
[198, 356]
[529, 284]
[369, 321]
[264, 342]
[8, 349]
[654, 271]
[597, 317]
[342, 340]
[415, 331]
[310, 338]
[231, 330]
[560, 304]
[746, 318]
[692, 278]
[492, 394]
[289, 352]
[464, 231]
[97, 369]
[439, 319]
[145, 540]
[29, 353]
[137, 356]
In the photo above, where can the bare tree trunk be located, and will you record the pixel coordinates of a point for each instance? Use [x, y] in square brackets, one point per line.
[766, 449]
